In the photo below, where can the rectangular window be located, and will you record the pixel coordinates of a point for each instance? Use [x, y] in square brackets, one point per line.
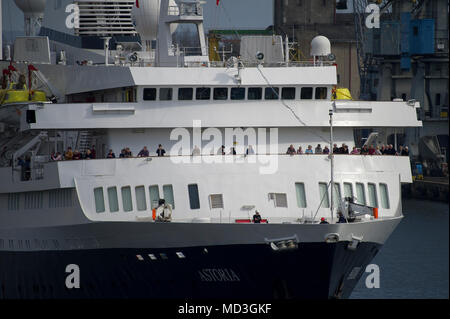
[216, 201]
[126, 199]
[185, 94]
[360, 194]
[438, 99]
[280, 199]
[323, 191]
[288, 93]
[99, 200]
[237, 93]
[220, 94]
[141, 202]
[373, 201]
[203, 93]
[113, 200]
[306, 94]
[154, 196]
[165, 94]
[321, 93]
[168, 195]
[194, 200]
[254, 93]
[336, 195]
[149, 94]
[271, 93]
[348, 190]
[301, 196]
[384, 196]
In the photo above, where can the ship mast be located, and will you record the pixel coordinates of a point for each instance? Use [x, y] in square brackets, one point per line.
[332, 163]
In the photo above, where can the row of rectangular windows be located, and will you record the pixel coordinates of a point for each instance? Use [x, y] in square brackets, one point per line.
[235, 93]
[57, 198]
[216, 200]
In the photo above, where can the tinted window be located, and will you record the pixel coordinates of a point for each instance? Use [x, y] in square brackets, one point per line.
[203, 93]
[194, 200]
[165, 94]
[149, 94]
[126, 199]
[238, 93]
[321, 93]
[288, 93]
[220, 94]
[185, 94]
[306, 94]
[254, 93]
[272, 93]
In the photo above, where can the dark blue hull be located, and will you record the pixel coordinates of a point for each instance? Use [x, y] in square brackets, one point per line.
[314, 270]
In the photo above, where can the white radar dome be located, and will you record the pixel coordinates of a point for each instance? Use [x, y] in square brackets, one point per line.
[146, 18]
[320, 46]
[31, 8]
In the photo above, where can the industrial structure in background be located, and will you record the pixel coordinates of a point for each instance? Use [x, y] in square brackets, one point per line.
[302, 20]
[407, 58]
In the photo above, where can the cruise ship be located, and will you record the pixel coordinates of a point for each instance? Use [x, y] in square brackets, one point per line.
[182, 225]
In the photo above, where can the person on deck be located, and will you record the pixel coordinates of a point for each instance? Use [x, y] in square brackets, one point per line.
[160, 151]
[257, 218]
[144, 152]
[323, 221]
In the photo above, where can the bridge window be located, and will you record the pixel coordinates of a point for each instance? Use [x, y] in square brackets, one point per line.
[301, 196]
[321, 93]
[13, 201]
[126, 199]
[149, 94]
[373, 201]
[238, 93]
[221, 94]
[288, 93]
[165, 94]
[194, 199]
[348, 190]
[112, 199]
[141, 202]
[384, 196]
[99, 200]
[168, 195]
[203, 93]
[360, 194]
[185, 94]
[323, 191]
[254, 93]
[272, 93]
[306, 94]
[154, 196]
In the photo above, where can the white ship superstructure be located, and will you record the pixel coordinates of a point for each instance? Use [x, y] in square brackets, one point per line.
[103, 213]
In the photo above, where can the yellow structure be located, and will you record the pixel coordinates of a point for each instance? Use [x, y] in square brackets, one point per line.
[16, 96]
[341, 94]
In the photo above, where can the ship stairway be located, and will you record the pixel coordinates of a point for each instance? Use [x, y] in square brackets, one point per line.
[84, 141]
[9, 147]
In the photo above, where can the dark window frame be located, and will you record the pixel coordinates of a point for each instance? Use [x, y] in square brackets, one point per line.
[194, 197]
[153, 95]
[217, 97]
[270, 95]
[185, 97]
[255, 89]
[291, 97]
[164, 95]
[240, 90]
[203, 94]
[306, 93]
[317, 93]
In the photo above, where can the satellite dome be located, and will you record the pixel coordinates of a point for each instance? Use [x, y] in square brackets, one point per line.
[146, 18]
[320, 46]
[31, 8]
